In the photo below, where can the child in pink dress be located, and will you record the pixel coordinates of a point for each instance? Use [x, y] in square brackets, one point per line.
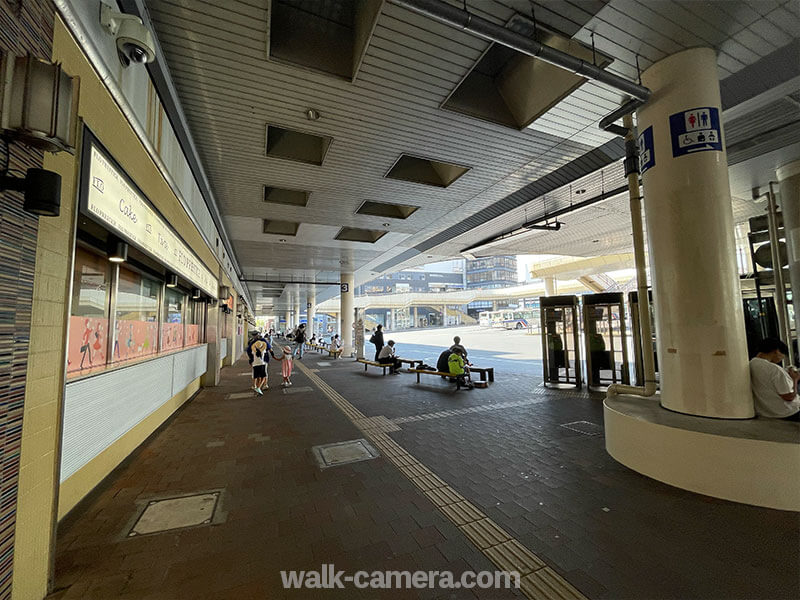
[285, 358]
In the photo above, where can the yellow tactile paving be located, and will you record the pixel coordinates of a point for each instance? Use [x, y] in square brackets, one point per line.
[538, 581]
[485, 533]
[513, 556]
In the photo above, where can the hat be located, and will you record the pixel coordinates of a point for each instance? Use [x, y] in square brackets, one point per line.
[260, 345]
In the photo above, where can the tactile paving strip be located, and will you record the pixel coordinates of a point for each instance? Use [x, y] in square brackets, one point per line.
[466, 411]
[537, 581]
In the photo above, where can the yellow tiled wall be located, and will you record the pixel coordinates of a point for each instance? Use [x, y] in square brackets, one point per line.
[38, 482]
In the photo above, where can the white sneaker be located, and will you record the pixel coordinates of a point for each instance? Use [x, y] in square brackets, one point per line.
[288, 383]
[259, 392]
[284, 384]
[266, 387]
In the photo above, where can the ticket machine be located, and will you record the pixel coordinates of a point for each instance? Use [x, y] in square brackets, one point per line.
[633, 305]
[560, 341]
[604, 339]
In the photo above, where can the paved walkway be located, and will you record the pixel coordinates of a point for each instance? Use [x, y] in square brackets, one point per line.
[515, 476]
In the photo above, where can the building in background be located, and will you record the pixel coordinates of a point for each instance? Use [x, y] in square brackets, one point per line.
[488, 273]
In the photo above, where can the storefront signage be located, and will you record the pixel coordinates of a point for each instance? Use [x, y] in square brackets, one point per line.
[695, 130]
[110, 198]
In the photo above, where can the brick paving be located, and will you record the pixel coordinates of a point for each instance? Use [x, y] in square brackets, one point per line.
[609, 531]
[281, 510]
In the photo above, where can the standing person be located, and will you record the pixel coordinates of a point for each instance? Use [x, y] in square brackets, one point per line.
[260, 350]
[377, 340]
[387, 357]
[774, 389]
[285, 358]
[299, 341]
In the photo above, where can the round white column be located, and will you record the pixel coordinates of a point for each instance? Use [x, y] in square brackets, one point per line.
[297, 310]
[702, 349]
[288, 316]
[789, 180]
[346, 298]
[311, 309]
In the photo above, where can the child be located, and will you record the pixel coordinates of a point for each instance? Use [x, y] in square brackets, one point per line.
[285, 358]
[260, 360]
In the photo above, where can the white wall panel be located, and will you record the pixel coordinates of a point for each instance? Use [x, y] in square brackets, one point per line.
[223, 348]
[101, 409]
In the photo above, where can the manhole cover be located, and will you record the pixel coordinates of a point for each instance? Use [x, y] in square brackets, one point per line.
[584, 427]
[176, 513]
[341, 453]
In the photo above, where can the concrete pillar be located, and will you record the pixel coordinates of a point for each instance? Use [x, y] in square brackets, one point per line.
[702, 349]
[211, 377]
[416, 319]
[288, 317]
[789, 181]
[297, 310]
[549, 286]
[311, 306]
[346, 298]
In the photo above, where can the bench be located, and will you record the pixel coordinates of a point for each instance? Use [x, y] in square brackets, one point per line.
[439, 373]
[412, 362]
[372, 363]
[483, 372]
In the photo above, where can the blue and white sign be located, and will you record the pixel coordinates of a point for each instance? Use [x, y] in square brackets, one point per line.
[695, 130]
[647, 151]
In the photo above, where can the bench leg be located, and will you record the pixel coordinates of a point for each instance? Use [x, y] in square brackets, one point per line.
[417, 377]
[483, 375]
[365, 367]
[491, 375]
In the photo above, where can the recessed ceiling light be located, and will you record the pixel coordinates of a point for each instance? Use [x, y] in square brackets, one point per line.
[312, 114]
[385, 224]
[282, 240]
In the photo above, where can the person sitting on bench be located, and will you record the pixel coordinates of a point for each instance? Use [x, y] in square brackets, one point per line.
[386, 356]
[459, 369]
[336, 346]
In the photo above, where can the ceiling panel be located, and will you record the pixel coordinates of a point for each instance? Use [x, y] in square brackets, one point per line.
[229, 91]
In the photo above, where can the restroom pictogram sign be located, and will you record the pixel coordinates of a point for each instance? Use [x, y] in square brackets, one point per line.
[695, 130]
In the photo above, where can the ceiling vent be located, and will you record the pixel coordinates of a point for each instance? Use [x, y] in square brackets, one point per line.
[425, 170]
[296, 145]
[283, 196]
[385, 209]
[329, 36]
[351, 234]
[513, 89]
[280, 227]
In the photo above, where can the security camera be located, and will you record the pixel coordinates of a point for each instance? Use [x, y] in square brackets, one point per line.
[134, 41]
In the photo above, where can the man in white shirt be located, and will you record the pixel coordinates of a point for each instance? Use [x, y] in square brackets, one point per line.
[774, 389]
[386, 356]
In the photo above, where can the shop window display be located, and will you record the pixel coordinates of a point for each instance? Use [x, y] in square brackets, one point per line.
[136, 327]
[172, 327]
[88, 324]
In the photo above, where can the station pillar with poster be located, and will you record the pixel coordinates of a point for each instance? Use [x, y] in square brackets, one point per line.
[633, 305]
[560, 341]
[604, 338]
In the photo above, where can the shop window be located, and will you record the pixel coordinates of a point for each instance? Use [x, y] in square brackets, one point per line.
[172, 327]
[136, 327]
[194, 323]
[88, 324]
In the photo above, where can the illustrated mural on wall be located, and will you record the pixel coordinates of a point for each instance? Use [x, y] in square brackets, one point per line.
[87, 349]
[171, 336]
[134, 339]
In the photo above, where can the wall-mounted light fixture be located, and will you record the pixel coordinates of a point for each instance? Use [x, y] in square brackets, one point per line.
[117, 251]
[172, 280]
[42, 190]
[196, 294]
[38, 103]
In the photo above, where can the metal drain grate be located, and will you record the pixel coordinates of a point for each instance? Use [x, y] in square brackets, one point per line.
[176, 513]
[584, 427]
[342, 453]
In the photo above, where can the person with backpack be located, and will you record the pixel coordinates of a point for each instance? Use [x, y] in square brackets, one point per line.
[299, 341]
[377, 340]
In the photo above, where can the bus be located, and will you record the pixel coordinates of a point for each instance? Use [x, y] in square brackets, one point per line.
[510, 318]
